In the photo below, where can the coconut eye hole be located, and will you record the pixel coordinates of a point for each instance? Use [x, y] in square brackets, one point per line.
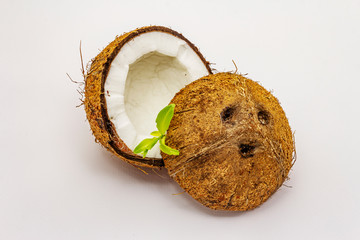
[247, 150]
[227, 113]
[264, 117]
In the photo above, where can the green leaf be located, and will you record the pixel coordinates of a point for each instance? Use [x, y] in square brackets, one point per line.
[156, 134]
[163, 120]
[144, 153]
[164, 117]
[145, 145]
[166, 149]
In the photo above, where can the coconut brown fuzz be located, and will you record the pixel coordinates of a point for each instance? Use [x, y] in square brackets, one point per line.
[236, 145]
[95, 105]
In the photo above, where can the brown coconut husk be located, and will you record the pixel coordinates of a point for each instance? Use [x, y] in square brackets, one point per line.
[236, 145]
[95, 103]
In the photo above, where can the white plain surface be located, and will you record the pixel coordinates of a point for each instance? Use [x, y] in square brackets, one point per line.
[57, 183]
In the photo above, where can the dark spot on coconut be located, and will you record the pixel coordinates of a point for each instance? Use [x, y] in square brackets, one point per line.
[204, 176]
[100, 123]
[221, 198]
[247, 150]
[252, 165]
[227, 113]
[201, 135]
[264, 117]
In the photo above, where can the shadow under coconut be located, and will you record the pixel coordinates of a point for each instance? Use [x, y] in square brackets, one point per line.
[147, 175]
[271, 203]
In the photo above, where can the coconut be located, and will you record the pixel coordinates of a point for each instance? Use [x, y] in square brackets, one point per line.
[236, 145]
[131, 80]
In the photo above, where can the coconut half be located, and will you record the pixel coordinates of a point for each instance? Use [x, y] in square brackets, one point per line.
[131, 80]
[235, 142]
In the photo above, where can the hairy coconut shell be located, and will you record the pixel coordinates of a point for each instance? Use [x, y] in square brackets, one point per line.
[236, 145]
[95, 103]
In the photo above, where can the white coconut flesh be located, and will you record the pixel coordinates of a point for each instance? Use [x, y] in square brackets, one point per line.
[144, 76]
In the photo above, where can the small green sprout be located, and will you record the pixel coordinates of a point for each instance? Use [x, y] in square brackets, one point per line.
[163, 120]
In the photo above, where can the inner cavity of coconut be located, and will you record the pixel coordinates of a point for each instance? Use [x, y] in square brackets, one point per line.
[145, 75]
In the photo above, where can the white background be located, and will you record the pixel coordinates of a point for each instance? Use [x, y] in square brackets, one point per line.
[57, 183]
